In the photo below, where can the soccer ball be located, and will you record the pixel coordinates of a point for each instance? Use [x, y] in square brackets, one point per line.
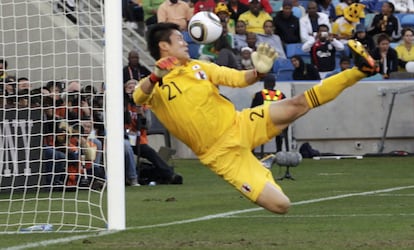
[205, 27]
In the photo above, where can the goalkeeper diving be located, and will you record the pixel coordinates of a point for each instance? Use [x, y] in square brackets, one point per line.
[184, 95]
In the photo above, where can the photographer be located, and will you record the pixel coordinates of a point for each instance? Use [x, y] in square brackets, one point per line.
[137, 121]
[322, 49]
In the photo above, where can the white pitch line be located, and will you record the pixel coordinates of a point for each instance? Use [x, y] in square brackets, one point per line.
[204, 218]
[324, 215]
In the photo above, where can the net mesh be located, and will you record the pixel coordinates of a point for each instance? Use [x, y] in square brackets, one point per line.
[52, 174]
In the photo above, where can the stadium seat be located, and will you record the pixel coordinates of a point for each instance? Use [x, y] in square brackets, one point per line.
[282, 64]
[284, 75]
[304, 3]
[368, 19]
[193, 47]
[407, 21]
[296, 49]
[276, 6]
[376, 77]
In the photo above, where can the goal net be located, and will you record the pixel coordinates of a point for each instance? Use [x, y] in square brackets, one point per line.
[53, 172]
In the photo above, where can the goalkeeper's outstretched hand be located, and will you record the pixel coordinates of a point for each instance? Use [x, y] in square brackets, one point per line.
[263, 58]
[162, 67]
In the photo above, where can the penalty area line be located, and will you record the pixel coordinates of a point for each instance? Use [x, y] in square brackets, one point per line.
[204, 218]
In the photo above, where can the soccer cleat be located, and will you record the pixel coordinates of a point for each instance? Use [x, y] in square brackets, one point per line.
[362, 59]
[268, 160]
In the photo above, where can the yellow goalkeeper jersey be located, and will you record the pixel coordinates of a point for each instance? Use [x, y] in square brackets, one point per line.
[188, 103]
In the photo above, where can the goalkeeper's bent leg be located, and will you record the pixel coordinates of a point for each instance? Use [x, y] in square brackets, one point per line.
[329, 88]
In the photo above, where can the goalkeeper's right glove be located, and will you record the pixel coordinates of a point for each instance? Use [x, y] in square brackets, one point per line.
[162, 67]
[263, 58]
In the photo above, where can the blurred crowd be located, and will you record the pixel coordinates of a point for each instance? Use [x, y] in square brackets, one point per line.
[307, 33]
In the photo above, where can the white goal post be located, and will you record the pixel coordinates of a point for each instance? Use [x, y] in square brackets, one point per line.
[61, 116]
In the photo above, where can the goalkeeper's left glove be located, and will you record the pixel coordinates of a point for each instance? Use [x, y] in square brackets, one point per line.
[263, 58]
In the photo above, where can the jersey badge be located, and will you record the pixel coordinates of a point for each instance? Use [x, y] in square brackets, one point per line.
[246, 188]
[201, 75]
[196, 67]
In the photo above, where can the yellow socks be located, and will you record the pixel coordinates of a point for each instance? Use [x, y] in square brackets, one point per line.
[331, 87]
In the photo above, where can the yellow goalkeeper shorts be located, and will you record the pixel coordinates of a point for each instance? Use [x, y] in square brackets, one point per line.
[231, 156]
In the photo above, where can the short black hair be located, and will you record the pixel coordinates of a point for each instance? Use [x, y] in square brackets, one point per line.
[159, 32]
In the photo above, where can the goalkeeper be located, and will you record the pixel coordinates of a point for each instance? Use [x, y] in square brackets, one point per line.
[184, 95]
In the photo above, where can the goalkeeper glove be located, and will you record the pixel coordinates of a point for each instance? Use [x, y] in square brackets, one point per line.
[162, 67]
[263, 58]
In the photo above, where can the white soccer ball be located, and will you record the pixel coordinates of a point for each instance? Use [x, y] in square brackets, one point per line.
[205, 27]
[409, 67]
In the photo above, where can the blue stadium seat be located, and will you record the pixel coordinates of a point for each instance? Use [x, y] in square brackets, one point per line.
[276, 6]
[368, 19]
[407, 20]
[296, 49]
[194, 50]
[193, 47]
[282, 64]
[284, 75]
[376, 77]
[400, 15]
[304, 3]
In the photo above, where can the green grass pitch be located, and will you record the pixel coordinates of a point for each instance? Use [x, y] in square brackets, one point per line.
[337, 204]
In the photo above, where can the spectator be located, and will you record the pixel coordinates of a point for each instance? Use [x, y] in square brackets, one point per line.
[385, 22]
[54, 153]
[240, 36]
[204, 5]
[273, 40]
[73, 86]
[23, 98]
[3, 69]
[286, 24]
[403, 6]
[134, 70]
[136, 127]
[327, 7]
[344, 26]
[362, 36]
[224, 14]
[255, 17]
[88, 153]
[303, 71]
[162, 173]
[323, 50]
[4, 76]
[23, 83]
[55, 90]
[297, 9]
[150, 8]
[264, 4]
[134, 15]
[385, 55]
[310, 22]
[251, 40]
[221, 50]
[236, 8]
[405, 48]
[89, 138]
[245, 58]
[266, 96]
[344, 63]
[343, 4]
[131, 134]
[175, 11]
